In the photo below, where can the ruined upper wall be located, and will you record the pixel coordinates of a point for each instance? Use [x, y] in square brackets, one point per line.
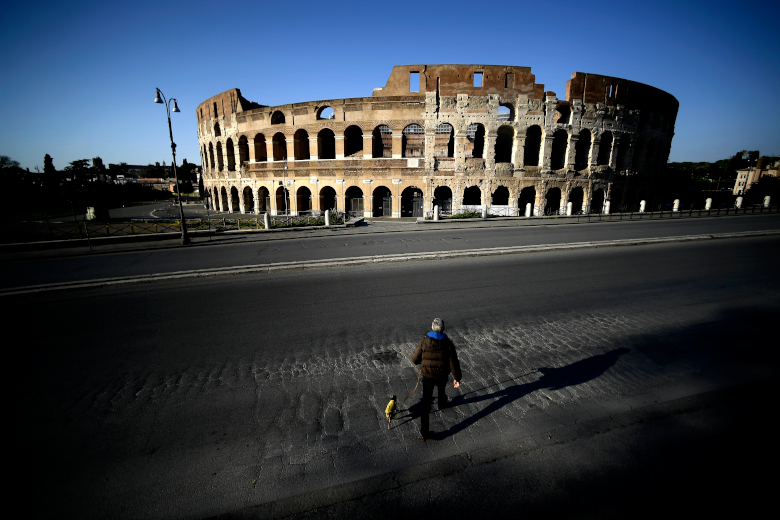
[228, 102]
[594, 88]
[503, 80]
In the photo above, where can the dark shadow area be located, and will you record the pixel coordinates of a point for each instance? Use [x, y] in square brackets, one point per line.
[552, 379]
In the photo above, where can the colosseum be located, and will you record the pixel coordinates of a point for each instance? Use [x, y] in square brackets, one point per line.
[460, 137]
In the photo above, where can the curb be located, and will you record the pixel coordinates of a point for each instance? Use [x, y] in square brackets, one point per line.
[346, 262]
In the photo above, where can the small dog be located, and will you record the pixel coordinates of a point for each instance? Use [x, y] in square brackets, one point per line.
[390, 411]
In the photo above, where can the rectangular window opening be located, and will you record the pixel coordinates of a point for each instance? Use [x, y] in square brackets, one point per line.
[414, 82]
[510, 80]
[477, 79]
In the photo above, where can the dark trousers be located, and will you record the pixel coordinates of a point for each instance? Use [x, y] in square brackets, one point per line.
[428, 385]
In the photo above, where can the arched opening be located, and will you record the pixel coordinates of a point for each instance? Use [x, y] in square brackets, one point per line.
[382, 202]
[442, 197]
[303, 200]
[280, 147]
[326, 144]
[527, 196]
[506, 112]
[282, 201]
[532, 145]
[243, 150]
[231, 155]
[326, 113]
[235, 207]
[552, 201]
[225, 206]
[215, 200]
[582, 151]
[211, 155]
[504, 139]
[263, 200]
[220, 163]
[413, 141]
[249, 200]
[475, 134]
[472, 196]
[261, 152]
[558, 153]
[301, 145]
[597, 201]
[205, 157]
[605, 149]
[277, 118]
[382, 142]
[500, 197]
[217, 132]
[353, 200]
[444, 144]
[562, 114]
[353, 142]
[576, 197]
[327, 198]
[412, 202]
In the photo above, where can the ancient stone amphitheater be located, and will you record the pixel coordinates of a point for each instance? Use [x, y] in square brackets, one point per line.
[460, 137]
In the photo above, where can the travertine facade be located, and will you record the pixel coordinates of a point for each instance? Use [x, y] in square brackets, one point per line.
[458, 136]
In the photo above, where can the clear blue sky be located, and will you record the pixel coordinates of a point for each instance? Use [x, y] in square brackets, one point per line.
[79, 77]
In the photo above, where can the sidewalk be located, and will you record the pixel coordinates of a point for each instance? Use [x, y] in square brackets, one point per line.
[39, 250]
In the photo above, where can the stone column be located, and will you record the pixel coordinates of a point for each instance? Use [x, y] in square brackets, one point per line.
[314, 151]
[541, 193]
[269, 150]
[339, 147]
[293, 199]
[546, 152]
[397, 145]
[251, 145]
[489, 151]
[237, 158]
[368, 149]
[460, 151]
[569, 164]
[241, 208]
[615, 147]
[517, 151]
[594, 153]
[520, 152]
[290, 147]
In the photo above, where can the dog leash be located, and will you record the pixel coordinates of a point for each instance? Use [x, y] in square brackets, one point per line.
[416, 385]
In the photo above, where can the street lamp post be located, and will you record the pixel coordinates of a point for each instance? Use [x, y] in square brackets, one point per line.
[185, 240]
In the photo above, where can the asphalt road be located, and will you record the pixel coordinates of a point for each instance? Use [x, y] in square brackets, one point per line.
[25, 270]
[213, 397]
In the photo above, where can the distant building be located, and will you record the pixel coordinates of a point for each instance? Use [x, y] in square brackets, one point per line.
[749, 176]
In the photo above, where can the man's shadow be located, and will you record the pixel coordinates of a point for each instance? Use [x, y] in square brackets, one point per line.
[552, 379]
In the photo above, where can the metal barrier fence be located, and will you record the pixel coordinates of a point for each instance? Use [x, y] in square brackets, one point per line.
[632, 212]
[43, 231]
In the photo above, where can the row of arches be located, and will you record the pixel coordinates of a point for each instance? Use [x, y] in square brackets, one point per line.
[629, 154]
[234, 200]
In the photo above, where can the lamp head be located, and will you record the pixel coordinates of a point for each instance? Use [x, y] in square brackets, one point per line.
[157, 97]
[175, 107]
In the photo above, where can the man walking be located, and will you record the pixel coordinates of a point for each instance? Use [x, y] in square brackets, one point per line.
[437, 357]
